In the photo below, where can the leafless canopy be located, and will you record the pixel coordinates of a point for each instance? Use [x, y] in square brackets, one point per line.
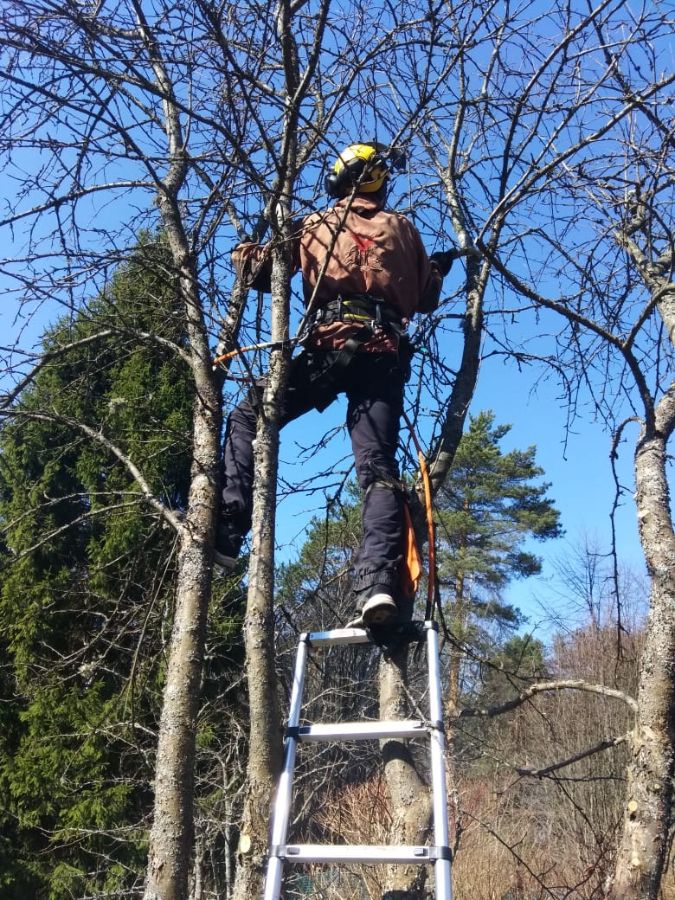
[540, 143]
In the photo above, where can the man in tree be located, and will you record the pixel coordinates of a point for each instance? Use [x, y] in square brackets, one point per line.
[365, 272]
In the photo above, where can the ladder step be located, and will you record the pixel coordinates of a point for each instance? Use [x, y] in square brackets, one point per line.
[339, 636]
[440, 854]
[361, 853]
[357, 731]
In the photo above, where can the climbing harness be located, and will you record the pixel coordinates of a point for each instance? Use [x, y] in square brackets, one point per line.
[364, 309]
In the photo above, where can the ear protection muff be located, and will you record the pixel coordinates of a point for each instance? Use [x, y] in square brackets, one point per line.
[339, 184]
[360, 166]
[335, 184]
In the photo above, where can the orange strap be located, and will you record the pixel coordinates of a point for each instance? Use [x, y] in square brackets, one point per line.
[431, 530]
[411, 566]
[221, 359]
[224, 358]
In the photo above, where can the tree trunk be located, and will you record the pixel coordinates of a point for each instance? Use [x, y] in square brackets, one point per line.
[171, 835]
[467, 376]
[172, 830]
[265, 737]
[643, 848]
[265, 733]
[410, 796]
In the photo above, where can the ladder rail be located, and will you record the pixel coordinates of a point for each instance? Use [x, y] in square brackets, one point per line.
[439, 854]
[442, 867]
[282, 804]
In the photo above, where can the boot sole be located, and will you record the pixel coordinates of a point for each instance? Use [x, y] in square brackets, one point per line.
[379, 610]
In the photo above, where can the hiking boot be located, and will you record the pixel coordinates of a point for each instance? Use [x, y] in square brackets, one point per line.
[225, 564]
[379, 609]
[227, 546]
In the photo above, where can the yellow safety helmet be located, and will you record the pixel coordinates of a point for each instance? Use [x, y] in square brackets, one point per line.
[360, 166]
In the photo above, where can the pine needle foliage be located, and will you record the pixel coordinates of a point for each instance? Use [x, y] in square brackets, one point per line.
[88, 574]
[490, 508]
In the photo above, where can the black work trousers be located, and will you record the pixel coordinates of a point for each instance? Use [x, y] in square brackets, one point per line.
[374, 384]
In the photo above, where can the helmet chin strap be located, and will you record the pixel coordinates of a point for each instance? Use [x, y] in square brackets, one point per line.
[381, 195]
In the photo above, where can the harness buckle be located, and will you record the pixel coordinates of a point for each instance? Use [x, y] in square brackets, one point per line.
[377, 323]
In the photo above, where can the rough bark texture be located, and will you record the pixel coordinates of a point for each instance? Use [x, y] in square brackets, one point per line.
[410, 796]
[265, 734]
[171, 835]
[172, 830]
[265, 727]
[643, 848]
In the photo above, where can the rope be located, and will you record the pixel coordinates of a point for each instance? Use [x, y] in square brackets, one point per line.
[267, 345]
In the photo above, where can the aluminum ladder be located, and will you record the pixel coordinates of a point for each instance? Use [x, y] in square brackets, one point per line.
[439, 854]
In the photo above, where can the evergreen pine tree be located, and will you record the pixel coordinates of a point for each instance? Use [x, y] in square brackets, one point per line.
[490, 505]
[86, 596]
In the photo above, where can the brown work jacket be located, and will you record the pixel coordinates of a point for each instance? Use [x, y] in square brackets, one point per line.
[355, 247]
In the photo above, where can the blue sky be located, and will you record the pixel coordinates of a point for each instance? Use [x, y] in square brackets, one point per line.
[576, 463]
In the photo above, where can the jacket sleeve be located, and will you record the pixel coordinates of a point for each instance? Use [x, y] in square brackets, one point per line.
[253, 262]
[253, 266]
[431, 291]
[430, 278]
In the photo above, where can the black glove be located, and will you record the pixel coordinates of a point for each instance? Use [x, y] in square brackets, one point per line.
[443, 260]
